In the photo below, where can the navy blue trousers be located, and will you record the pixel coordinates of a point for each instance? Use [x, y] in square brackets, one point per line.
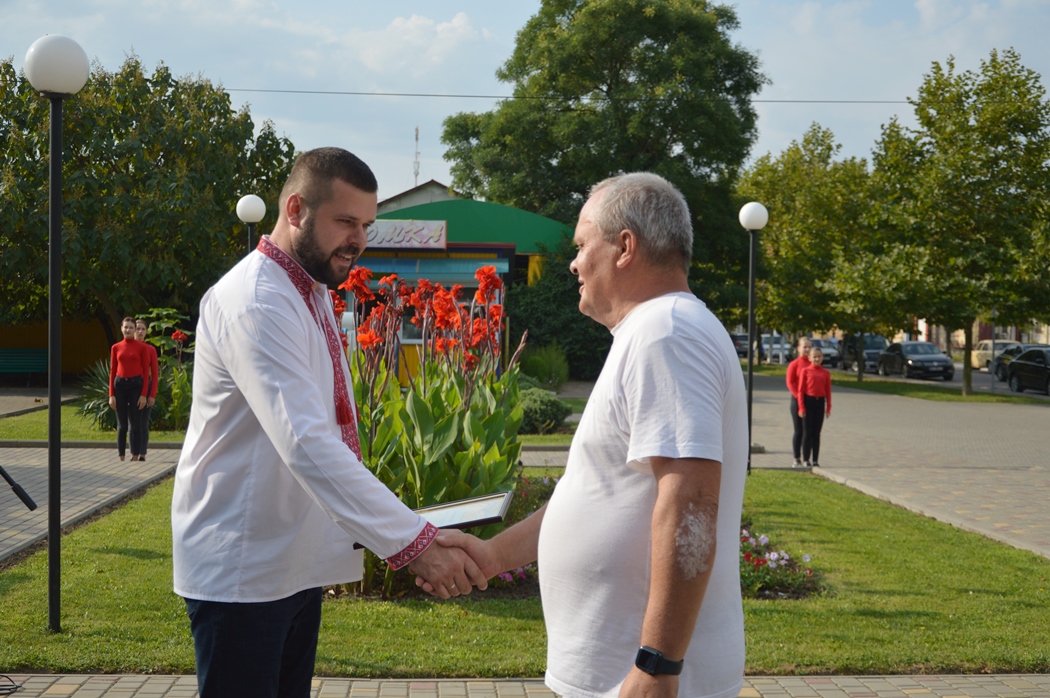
[256, 650]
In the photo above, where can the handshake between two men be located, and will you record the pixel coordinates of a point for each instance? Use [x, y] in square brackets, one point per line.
[454, 564]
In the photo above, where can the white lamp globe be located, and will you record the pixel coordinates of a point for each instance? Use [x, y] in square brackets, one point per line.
[251, 209]
[56, 65]
[754, 216]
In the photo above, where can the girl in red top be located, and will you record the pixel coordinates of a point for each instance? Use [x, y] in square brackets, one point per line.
[814, 399]
[128, 368]
[795, 369]
[151, 381]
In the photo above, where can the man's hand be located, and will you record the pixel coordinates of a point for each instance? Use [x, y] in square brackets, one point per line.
[447, 569]
[113, 403]
[638, 684]
[142, 401]
[480, 551]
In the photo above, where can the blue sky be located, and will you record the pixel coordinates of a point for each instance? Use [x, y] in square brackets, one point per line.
[811, 50]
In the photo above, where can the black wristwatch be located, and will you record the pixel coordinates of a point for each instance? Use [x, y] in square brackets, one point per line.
[652, 662]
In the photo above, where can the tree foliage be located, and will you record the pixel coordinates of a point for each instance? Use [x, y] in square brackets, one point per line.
[153, 168]
[616, 86]
[968, 187]
[549, 310]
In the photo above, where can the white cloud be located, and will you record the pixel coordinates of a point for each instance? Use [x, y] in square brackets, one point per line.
[416, 44]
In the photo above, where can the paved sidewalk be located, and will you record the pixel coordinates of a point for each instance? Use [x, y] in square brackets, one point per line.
[978, 686]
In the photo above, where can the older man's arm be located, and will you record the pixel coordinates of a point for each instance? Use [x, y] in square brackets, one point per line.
[515, 547]
[684, 534]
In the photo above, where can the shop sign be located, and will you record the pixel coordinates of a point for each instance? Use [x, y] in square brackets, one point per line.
[408, 235]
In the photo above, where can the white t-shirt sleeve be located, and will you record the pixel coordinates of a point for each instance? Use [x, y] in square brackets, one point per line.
[670, 416]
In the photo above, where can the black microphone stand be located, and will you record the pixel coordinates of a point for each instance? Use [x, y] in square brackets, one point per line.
[22, 494]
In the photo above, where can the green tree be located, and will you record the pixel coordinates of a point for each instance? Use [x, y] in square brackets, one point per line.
[969, 186]
[616, 86]
[549, 310]
[153, 168]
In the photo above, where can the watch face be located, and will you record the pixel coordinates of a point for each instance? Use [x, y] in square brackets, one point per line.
[647, 660]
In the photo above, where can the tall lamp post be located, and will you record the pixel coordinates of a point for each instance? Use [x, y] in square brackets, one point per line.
[251, 209]
[56, 67]
[753, 216]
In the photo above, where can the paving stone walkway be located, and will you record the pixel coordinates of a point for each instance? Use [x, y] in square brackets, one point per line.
[999, 686]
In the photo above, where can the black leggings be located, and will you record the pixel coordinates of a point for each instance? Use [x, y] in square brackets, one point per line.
[812, 424]
[127, 391]
[796, 421]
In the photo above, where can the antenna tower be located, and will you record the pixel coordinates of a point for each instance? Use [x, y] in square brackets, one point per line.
[415, 164]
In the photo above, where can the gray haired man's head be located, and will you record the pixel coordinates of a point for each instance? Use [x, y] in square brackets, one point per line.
[653, 209]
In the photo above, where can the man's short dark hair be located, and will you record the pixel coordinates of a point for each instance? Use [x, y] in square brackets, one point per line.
[314, 171]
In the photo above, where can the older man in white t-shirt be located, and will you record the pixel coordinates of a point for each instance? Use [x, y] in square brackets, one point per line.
[638, 547]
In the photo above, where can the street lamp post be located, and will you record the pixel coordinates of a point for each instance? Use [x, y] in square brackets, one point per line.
[57, 67]
[753, 216]
[251, 209]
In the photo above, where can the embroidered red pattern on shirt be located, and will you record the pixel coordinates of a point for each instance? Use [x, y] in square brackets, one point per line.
[415, 548]
[344, 406]
[345, 411]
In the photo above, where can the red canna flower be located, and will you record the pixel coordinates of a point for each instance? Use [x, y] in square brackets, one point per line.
[470, 361]
[368, 338]
[179, 336]
[488, 283]
[357, 283]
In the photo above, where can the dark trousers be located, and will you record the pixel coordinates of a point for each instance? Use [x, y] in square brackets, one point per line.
[144, 415]
[812, 424]
[796, 421]
[256, 650]
[127, 392]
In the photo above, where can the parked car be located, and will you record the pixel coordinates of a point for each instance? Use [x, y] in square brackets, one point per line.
[981, 356]
[916, 360]
[740, 343]
[830, 349]
[776, 348]
[874, 344]
[1030, 371]
[1000, 362]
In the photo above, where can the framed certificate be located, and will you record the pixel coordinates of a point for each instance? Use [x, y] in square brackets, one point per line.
[466, 513]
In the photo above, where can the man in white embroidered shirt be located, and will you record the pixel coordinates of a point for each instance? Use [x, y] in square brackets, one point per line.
[638, 547]
[270, 493]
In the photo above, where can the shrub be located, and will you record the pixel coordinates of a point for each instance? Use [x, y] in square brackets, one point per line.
[95, 406]
[526, 381]
[547, 364]
[543, 412]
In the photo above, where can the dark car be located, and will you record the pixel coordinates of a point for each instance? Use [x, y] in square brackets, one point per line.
[874, 344]
[1000, 362]
[916, 360]
[740, 342]
[1030, 371]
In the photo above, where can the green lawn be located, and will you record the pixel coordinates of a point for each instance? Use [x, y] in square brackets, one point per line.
[931, 390]
[906, 595]
[33, 425]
